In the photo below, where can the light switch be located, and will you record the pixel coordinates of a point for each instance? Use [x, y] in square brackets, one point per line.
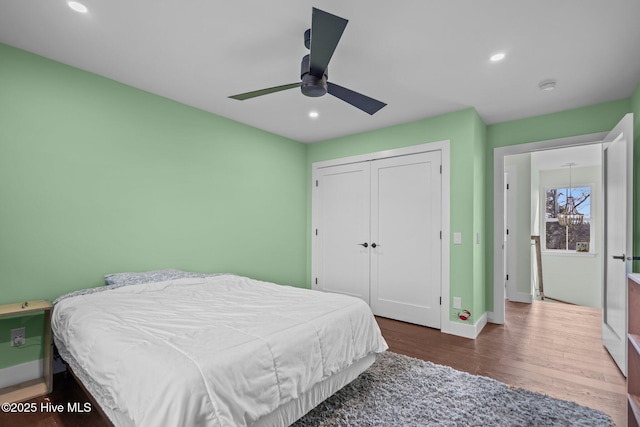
[457, 238]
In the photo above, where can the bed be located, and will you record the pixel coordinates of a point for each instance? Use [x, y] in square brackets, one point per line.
[211, 350]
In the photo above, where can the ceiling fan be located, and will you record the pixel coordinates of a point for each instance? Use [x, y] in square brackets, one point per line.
[321, 40]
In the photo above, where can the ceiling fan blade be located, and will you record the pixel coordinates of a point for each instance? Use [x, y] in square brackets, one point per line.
[358, 100]
[243, 96]
[326, 30]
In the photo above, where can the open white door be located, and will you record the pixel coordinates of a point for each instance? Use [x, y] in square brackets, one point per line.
[618, 233]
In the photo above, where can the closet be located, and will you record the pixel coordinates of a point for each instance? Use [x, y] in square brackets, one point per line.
[377, 234]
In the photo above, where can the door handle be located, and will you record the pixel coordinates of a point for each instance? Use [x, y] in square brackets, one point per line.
[620, 257]
[373, 245]
[633, 258]
[366, 245]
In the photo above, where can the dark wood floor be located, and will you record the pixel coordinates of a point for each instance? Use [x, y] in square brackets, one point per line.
[545, 347]
[65, 390]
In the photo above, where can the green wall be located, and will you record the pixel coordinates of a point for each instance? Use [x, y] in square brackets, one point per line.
[97, 177]
[466, 131]
[479, 200]
[31, 350]
[580, 121]
[472, 144]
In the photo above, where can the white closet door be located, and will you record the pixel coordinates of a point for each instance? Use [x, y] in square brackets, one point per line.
[343, 229]
[406, 206]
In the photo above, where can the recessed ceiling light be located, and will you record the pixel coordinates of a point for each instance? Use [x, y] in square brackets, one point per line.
[547, 85]
[313, 114]
[497, 57]
[78, 7]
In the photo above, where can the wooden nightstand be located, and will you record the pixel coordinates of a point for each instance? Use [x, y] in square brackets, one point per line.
[39, 386]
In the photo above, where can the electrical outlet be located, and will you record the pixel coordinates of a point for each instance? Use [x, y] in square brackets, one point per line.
[457, 302]
[457, 238]
[18, 337]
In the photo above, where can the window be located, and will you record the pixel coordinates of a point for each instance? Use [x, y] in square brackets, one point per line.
[559, 237]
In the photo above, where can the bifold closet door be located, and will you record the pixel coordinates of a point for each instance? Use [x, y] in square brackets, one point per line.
[343, 229]
[406, 208]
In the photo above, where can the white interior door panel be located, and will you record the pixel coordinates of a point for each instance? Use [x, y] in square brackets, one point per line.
[405, 230]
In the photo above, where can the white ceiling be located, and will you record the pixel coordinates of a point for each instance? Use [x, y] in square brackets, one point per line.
[423, 58]
[559, 158]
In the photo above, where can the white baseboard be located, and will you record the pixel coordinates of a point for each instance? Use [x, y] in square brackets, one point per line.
[466, 330]
[20, 373]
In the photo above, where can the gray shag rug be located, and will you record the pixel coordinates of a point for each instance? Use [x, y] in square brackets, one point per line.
[399, 390]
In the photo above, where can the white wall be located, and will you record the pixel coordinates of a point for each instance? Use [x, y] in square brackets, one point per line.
[570, 276]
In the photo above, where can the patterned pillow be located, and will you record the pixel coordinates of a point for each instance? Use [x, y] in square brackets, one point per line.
[117, 280]
[124, 279]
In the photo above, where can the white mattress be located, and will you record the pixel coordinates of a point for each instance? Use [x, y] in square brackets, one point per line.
[214, 351]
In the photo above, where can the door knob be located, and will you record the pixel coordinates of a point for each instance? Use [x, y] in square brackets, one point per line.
[621, 258]
[366, 245]
[373, 245]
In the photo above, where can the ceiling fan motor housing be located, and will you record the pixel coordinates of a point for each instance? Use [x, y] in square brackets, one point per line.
[307, 39]
[313, 86]
[327, 30]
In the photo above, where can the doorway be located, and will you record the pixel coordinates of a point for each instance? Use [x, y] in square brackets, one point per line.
[499, 155]
[618, 156]
[570, 258]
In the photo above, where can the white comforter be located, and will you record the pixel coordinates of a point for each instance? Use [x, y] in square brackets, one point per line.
[215, 351]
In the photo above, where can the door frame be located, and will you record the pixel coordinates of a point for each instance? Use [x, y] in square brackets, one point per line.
[511, 267]
[444, 147]
[498, 313]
